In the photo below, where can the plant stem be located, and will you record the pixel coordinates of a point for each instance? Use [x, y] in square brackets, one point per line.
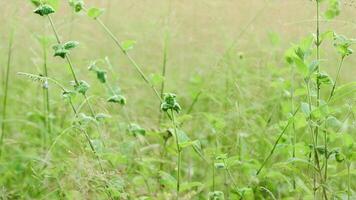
[337, 78]
[314, 142]
[132, 61]
[46, 101]
[276, 143]
[164, 65]
[179, 150]
[71, 67]
[293, 124]
[6, 89]
[318, 95]
[348, 181]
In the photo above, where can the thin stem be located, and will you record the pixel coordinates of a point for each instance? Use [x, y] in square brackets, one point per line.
[294, 136]
[179, 150]
[314, 141]
[348, 181]
[132, 61]
[337, 78]
[164, 66]
[70, 64]
[6, 89]
[46, 101]
[276, 143]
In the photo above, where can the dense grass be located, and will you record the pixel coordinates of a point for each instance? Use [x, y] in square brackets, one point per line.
[178, 100]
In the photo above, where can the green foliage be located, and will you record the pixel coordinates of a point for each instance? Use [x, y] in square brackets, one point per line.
[100, 74]
[343, 44]
[81, 87]
[44, 10]
[119, 99]
[94, 13]
[128, 45]
[77, 5]
[216, 195]
[62, 50]
[136, 130]
[170, 103]
[333, 9]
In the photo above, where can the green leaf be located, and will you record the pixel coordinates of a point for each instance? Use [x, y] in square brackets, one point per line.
[94, 13]
[216, 195]
[44, 10]
[70, 45]
[60, 51]
[77, 5]
[333, 9]
[156, 79]
[324, 78]
[117, 99]
[101, 75]
[344, 91]
[82, 87]
[167, 180]
[305, 109]
[170, 103]
[135, 130]
[128, 44]
[302, 67]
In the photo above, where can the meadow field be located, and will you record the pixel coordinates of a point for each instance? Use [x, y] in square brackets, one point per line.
[178, 99]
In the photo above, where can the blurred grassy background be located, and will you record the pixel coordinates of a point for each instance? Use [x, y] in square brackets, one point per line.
[199, 35]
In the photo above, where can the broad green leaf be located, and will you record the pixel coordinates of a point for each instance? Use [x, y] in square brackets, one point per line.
[128, 44]
[94, 13]
[302, 67]
[333, 9]
[117, 99]
[44, 10]
[70, 45]
[82, 87]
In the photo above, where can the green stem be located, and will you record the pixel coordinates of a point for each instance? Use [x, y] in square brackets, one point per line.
[132, 61]
[6, 89]
[179, 150]
[276, 143]
[164, 66]
[46, 101]
[348, 182]
[337, 78]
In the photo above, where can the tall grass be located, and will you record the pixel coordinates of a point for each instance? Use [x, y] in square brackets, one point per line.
[6, 91]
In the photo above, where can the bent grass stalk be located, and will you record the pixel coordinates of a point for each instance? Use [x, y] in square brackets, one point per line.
[6, 90]
[276, 142]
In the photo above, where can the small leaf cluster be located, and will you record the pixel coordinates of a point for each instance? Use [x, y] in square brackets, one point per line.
[100, 73]
[343, 44]
[117, 98]
[44, 10]
[81, 87]
[170, 103]
[77, 5]
[62, 50]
